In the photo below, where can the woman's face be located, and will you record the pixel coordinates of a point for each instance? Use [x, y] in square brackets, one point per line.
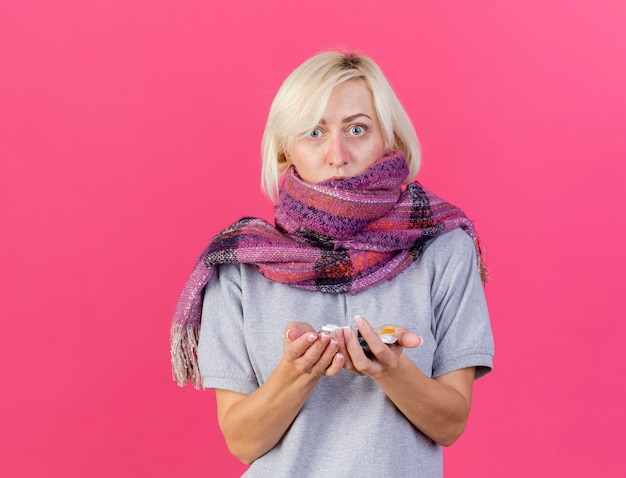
[347, 141]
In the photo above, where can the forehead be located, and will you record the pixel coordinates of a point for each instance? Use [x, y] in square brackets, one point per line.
[350, 98]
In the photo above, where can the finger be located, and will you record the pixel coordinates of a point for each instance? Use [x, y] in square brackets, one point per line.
[314, 351]
[299, 346]
[293, 330]
[409, 339]
[378, 354]
[336, 365]
[404, 338]
[326, 357]
[354, 350]
[312, 360]
[338, 335]
[343, 349]
[369, 335]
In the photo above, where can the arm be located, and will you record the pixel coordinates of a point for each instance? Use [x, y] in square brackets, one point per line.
[439, 407]
[253, 424]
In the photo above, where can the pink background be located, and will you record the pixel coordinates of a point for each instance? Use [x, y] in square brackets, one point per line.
[130, 134]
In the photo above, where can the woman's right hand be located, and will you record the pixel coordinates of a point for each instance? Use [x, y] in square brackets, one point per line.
[253, 424]
[310, 352]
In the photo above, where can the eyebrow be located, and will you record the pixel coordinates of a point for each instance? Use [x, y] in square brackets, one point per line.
[349, 119]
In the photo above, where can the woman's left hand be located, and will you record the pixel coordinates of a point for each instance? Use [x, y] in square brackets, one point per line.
[437, 407]
[382, 357]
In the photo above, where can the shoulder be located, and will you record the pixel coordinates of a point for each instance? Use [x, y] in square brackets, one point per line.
[450, 259]
[455, 245]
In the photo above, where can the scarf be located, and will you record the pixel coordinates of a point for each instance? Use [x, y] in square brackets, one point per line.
[336, 236]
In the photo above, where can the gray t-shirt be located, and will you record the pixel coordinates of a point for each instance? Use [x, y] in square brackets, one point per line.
[348, 427]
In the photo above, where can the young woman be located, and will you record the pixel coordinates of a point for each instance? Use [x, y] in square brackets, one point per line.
[355, 246]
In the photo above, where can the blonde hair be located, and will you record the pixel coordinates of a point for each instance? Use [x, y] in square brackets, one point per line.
[302, 98]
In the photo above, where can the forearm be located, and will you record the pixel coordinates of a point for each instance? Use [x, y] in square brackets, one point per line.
[254, 424]
[437, 409]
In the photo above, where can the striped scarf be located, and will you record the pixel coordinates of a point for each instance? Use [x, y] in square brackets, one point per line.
[337, 236]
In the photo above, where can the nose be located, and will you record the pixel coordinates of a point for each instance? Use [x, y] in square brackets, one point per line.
[337, 154]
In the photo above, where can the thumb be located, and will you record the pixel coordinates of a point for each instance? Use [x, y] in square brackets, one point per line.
[409, 340]
[293, 330]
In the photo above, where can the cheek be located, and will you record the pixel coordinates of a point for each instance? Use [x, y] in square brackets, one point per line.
[376, 150]
[299, 153]
[304, 162]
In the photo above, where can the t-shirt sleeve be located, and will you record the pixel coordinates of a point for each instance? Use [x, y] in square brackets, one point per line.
[461, 323]
[222, 353]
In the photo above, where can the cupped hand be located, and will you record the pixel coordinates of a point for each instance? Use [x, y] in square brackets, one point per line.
[381, 357]
[310, 352]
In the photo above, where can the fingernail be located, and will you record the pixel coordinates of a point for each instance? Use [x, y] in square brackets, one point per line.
[311, 338]
[421, 340]
[325, 336]
[287, 334]
[347, 332]
[359, 320]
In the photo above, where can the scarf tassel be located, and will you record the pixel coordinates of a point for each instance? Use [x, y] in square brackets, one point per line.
[184, 350]
[482, 262]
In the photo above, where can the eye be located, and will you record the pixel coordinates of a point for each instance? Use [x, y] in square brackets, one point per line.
[357, 129]
[316, 133]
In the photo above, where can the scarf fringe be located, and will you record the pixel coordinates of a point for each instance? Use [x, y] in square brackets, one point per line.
[184, 350]
[482, 262]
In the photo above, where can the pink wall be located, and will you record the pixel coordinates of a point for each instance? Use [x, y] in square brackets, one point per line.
[130, 134]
